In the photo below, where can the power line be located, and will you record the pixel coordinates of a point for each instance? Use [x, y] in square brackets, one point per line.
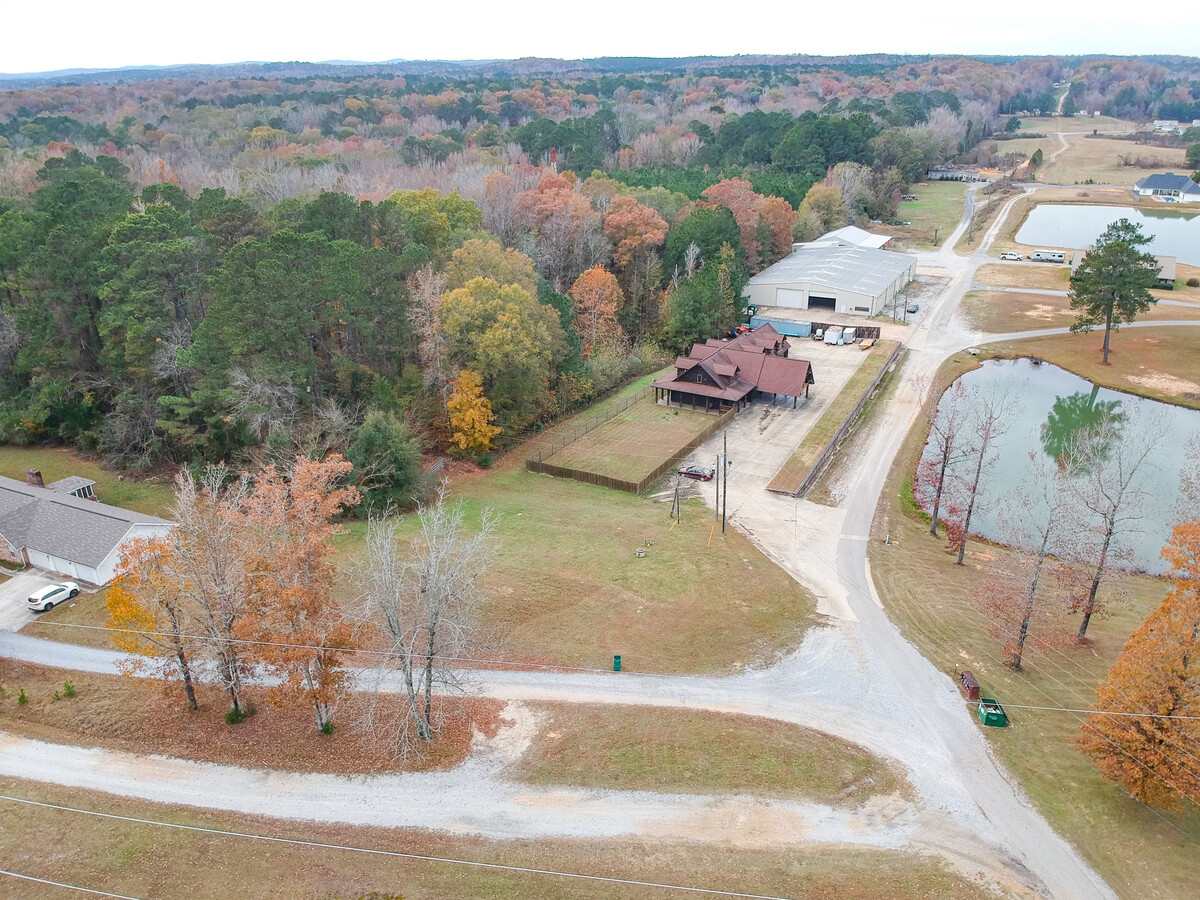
[70, 887]
[606, 879]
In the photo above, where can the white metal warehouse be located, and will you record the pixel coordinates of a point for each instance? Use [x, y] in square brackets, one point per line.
[850, 280]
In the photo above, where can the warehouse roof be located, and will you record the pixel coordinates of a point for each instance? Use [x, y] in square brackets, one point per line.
[856, 237]
[64, 525]
[858, 269]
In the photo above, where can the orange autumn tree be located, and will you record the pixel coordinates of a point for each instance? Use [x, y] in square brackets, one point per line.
[765, 222]
[471, 416]
[147, 612]
[289, 517]
[1146, 728]
[598, 300]
[638, 232]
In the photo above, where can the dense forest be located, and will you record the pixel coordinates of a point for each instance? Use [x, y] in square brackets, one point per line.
[196, 269]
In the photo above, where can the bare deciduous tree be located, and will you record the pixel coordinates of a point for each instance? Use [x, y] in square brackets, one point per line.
[422, 603]
[947, 415]
[991, 410]
[1113, 460]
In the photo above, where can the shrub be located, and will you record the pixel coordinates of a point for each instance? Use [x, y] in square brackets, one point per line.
[1193, 282]
[484, 460]
[327, 727]
[57, 696]
[236, 716]
[21, 698]
[68, 689]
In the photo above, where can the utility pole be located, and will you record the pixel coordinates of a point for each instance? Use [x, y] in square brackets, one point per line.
[725, 483]
[717, 475]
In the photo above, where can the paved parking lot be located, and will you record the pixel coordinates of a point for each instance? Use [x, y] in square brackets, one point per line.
[14, 611]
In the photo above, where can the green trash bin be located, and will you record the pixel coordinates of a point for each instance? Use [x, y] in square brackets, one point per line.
[992, 713]
[616, 664]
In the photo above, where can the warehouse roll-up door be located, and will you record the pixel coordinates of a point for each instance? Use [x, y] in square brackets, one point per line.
[789, 297]
[815, 302]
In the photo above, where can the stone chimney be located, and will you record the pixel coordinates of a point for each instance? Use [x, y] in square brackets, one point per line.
[34, 477]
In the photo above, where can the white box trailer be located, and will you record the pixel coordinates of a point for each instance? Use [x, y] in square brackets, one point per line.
[849, 335]
[833, 335]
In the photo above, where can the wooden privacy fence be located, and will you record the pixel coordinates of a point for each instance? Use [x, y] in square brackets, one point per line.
[535, 463]
[823, 460]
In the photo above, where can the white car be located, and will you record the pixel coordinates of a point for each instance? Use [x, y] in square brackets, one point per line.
[51, 595]
[1011, 256]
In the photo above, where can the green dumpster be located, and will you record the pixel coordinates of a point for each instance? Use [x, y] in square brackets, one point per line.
[992, 713]
[616, 664]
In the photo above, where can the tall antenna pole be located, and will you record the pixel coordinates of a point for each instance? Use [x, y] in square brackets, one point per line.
[717, 475]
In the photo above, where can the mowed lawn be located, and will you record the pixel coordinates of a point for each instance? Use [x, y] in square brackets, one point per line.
[567, 587]
[700, 752]
[632, 444]
[150, 496]
[932, 600]
[936, 211]
[1000, 312]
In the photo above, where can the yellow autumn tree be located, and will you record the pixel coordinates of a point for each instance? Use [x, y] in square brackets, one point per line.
[471, 415]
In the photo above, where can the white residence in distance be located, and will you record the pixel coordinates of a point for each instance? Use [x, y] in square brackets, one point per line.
[831, 277]
[63, 528]
[1170, 186]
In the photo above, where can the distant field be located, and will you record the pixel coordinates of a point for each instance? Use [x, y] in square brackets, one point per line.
[634, 443]
[1095, 159]
[1012, 274]
[937, 212]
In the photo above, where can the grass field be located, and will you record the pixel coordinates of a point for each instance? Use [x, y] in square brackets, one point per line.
[1007, 274]
[793, 472]
[141, 495]
[936, 212]
[143, 860]
[1154, 362]
[567, 588]
[698, 752]
[1095, 159]
[931, 600]
[632, 444]
[999, 312]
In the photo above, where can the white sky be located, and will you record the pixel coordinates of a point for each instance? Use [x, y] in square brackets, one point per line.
[76, 34]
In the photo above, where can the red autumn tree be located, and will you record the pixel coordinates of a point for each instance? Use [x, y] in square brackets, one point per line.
[765, 222]
[289, 520]
[1146, 728]
[598, 300]
[569, 233]
[638, 231]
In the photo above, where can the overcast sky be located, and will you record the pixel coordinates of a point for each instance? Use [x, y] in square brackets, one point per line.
[74, 34]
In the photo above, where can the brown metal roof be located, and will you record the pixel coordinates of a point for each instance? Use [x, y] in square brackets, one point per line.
[740, 366]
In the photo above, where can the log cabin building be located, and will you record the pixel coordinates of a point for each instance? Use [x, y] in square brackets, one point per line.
[718, 375]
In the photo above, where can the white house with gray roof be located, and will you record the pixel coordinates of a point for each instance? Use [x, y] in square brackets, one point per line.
[855, 281]
[1168, 187]
[57, 527]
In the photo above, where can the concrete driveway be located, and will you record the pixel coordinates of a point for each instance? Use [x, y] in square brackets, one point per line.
[15, 613]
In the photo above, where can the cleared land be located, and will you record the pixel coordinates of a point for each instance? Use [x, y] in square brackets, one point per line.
[150, 861]
[683, 751]
[632, 444]
[1015, 274]
[566, 587]
[793, 472]
[931, 600]
[142, 495]
[936, 211]
[1153, 362]
[1096, 160]
[999, 312]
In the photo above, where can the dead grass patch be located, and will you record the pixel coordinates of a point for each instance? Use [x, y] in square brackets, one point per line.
[699, 752]
[145, 716]
[149, 861]
[1010, 274]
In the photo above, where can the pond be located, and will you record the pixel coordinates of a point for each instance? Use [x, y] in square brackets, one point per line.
[1175, 233]
[1052, 399]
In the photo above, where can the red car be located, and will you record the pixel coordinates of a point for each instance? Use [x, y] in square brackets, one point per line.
[700, 473]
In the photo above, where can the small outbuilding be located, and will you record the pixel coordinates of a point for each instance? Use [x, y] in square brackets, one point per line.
[62, 527]
[852, 236]
[834, 278]
[1167, 266]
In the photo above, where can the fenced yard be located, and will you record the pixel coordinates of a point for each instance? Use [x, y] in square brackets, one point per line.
[630, 449]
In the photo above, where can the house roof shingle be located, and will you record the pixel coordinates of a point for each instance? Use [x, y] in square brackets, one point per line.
[62, 525]
[1169, 182]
